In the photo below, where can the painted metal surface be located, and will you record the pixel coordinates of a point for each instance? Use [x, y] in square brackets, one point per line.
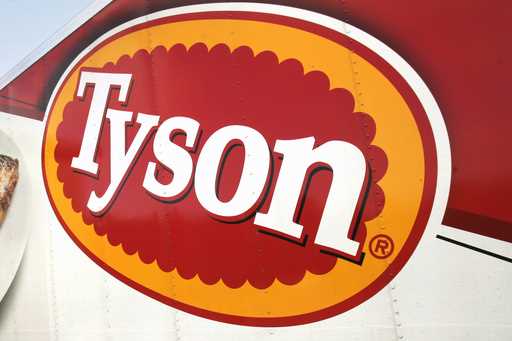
[454, 286]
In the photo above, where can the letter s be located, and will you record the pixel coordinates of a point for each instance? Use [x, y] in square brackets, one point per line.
[173, 157]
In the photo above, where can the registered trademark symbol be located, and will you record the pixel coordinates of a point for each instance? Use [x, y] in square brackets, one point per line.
[381, 246]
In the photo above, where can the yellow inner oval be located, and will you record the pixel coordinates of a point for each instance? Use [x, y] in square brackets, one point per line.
[397, 134]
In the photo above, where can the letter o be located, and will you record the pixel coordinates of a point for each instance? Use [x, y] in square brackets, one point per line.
[254, 173]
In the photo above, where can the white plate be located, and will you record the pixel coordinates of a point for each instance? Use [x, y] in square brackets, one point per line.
[14, 231]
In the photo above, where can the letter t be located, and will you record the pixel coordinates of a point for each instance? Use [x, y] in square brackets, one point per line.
[103, 82]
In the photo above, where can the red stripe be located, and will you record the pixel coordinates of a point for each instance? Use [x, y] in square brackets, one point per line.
[486, 226]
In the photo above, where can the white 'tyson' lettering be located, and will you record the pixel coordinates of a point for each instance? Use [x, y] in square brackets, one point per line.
[346, 161]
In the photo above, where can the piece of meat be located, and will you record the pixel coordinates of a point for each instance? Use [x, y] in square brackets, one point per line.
[8, 180]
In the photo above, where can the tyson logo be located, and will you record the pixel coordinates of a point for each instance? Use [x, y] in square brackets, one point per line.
[344, 159]
[252, 164]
